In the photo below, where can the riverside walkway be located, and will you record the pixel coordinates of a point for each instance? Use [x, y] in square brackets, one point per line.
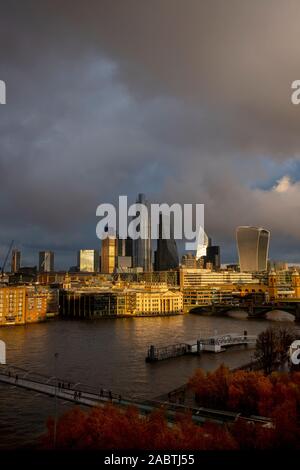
[89, 396]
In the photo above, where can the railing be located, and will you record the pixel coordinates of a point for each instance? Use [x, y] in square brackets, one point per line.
[229, 339]
[165, 352]
[64, 385]
[199, 415]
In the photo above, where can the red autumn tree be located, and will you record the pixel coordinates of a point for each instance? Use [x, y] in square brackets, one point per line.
[211, 389]
[112, 428]
[276, 396]
[247, 390]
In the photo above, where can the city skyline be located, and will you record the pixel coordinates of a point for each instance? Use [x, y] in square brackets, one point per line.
[149, 232]
[118, 254]
[204, 125]
[117, 249]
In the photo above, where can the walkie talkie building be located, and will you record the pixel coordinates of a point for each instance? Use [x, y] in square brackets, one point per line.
[253, 248]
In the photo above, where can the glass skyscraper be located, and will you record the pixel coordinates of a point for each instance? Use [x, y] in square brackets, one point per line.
[15, 261]
[202, 247]
[88, 260]
[46, 261]
[142, 256]
[253, 248]
[109, 253]
[166, 255]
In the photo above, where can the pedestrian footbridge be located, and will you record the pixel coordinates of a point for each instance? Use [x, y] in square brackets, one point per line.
[80, 394]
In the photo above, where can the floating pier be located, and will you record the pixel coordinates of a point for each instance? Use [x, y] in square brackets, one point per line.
[215, 343]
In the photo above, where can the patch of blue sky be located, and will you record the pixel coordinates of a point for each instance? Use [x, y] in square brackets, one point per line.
[273, 171]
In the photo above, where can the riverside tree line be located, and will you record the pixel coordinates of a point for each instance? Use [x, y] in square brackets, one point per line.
[270, 392]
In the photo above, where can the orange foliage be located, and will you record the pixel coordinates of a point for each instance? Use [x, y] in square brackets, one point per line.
[249, 435]
[252, 393]
[211, 389]
[249, 393]
[245, 392]
[112, 428]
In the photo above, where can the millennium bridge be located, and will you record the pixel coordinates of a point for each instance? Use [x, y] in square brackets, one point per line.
[80, 394]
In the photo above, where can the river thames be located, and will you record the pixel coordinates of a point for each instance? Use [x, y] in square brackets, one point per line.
[108, 354]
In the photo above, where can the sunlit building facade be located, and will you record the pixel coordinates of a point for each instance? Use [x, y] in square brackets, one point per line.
[195, 278]
[27, 304]
[121, 302]
[202, 245]
[88, 261]
[109, 248]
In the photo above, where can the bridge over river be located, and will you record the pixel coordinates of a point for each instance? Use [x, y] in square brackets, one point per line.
[80, 394]
[254, 310]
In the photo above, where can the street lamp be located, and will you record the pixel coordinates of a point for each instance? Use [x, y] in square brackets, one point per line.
[55, 399]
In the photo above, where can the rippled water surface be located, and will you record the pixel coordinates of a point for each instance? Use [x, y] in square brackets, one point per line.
[105, 353]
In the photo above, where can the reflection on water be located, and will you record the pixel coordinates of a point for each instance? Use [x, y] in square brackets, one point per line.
[273, 315]
[239, 314]
[109, 354]
[280, 315]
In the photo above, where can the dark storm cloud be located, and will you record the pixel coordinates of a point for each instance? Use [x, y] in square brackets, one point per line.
[186, 101]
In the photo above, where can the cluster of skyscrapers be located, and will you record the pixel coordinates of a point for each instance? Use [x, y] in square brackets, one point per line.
[126, 255]
[91, 290]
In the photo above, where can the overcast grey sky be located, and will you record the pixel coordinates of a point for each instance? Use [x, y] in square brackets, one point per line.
[185, 100]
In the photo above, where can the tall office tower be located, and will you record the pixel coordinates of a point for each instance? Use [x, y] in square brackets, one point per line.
[88, 261]
[46, 261]
[129, 247]
[125, 246]
[189, 261]
[121, 247]
[166, 255]
[201, 249]
[124, 257]
[253, 247]
[213, 256]
[15, 261]
[109, 250]
[142, 255]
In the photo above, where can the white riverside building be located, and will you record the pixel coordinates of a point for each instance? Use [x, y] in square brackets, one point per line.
[189, 278]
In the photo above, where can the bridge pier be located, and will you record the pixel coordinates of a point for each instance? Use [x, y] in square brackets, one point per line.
[151, 354]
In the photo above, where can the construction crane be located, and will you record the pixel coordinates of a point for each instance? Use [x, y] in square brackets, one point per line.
[6, 257]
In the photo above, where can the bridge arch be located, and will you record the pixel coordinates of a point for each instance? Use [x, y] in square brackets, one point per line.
[2, 352]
